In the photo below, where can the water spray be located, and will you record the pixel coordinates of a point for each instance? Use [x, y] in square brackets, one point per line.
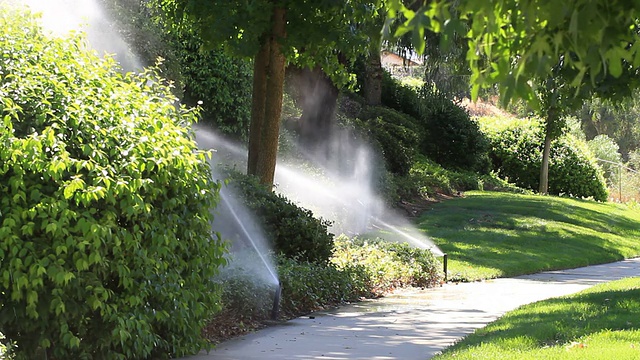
[276, 302]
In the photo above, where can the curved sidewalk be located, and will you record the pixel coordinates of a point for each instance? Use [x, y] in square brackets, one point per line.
[412, 324]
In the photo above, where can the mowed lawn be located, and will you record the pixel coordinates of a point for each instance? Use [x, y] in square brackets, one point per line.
[494, 234]
[599, 323]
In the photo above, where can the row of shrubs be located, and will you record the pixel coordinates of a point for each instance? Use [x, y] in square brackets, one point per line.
[431, 144]
[315, 269]
[516, 155]
[358, 269]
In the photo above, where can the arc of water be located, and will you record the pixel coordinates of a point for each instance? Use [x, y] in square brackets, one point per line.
[249, 237]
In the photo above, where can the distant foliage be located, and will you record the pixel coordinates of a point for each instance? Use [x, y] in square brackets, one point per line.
[400, 97]
[396, 135]
[295, 232]
[105, 207]
[605, 148]
[516, 154]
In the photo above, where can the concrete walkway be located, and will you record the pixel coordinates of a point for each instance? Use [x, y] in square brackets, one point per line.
[412, 324]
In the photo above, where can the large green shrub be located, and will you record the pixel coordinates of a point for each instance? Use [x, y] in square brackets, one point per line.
[221, 84]
[294, 231]
[516, 154]
[105, 207]
[451, 138]
[574, 171]
[400, 97]
[395, 134]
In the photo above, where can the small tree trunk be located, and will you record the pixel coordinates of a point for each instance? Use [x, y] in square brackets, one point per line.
[544, 169]
[265, 165]
[372, 86]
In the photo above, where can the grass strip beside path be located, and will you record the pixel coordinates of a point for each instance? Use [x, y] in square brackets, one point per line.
[601, 322]
[493, 234]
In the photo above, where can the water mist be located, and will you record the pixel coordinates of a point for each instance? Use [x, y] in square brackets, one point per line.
[250, 253]
[346, 193]
[335, 182]
[61, 17]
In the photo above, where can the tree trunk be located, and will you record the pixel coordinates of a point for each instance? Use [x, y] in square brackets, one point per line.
[372, 86]
[259, 97]
[544, 169]
[546, 152]
[318, 98]
[267, 102]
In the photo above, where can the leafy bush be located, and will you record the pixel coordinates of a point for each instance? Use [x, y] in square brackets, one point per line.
[388, 265]
[310, 286]
[295, 232]
[400, 97]
[574, 171]
[105, 204]
[245, 297]
[516, 154]
[221, 84]
[395, 134]
[452, 138]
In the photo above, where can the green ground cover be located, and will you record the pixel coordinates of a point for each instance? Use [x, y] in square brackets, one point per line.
[492, 234]
[599, 323]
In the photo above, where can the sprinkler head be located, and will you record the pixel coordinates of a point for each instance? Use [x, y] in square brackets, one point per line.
[445, 259]
[276, 303]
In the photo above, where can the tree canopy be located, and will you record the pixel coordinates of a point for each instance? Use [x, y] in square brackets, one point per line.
[274, 33]
[512, 42]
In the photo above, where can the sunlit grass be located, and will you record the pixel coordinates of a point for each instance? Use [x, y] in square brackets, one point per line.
[599, 323]
[491, 234]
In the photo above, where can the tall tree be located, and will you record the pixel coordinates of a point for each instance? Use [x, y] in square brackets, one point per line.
[557, 99]
[372, 85]
[274, 32]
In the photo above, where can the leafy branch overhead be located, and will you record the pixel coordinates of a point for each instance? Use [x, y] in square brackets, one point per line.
[316, 32]
[513, 42]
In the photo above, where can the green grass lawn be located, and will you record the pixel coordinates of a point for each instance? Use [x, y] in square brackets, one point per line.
[599, 323]
[492, 234]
